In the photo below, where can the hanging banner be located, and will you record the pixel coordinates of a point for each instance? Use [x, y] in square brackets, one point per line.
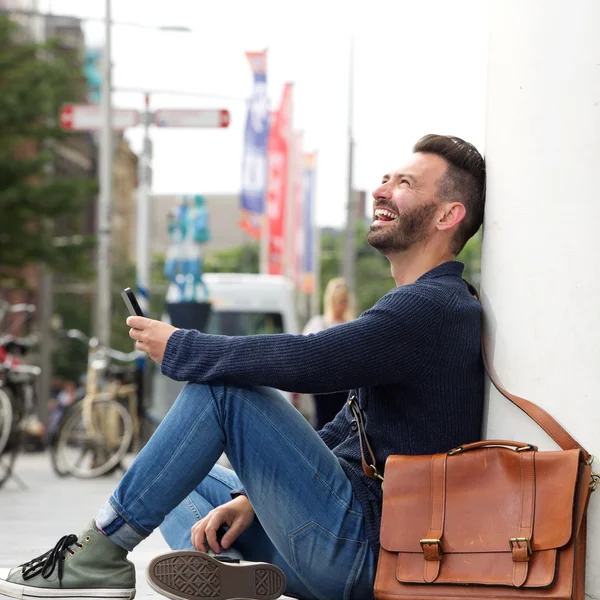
[277, 181]
[297, 225]
[308, 257]
[254, 160]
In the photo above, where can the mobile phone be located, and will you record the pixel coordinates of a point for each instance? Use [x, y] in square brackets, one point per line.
[132, 303]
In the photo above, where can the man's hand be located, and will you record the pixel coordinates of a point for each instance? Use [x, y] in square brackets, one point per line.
[237, 515]
[151, 336]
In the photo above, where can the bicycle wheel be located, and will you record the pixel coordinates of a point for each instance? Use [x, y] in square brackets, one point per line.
[93, 439]
[12, 445]
[55, 459]
[5, 418]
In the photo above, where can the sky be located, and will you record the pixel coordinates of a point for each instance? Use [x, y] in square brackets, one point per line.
[419, 67]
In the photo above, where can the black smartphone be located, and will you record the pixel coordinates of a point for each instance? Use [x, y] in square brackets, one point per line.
[132, 303]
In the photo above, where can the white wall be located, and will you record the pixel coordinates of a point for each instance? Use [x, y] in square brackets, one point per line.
[541, 249]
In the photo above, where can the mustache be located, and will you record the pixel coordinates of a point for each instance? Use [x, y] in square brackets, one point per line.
[386, 206]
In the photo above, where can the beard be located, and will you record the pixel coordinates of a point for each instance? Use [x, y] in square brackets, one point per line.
[408, 229]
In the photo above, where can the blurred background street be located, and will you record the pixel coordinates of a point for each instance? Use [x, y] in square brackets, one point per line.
[234, 201]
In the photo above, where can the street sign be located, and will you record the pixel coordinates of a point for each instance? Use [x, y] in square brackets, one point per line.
[88, 117]
[191, 118]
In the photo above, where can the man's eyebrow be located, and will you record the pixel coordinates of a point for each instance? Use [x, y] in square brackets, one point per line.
[404, 176]
[387, 177]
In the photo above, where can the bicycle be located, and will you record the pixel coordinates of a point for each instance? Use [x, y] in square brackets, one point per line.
[17, 392]
[95, 434]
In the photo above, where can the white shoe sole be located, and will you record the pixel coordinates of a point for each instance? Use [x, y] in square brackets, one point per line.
[22, 592]
[189, 575]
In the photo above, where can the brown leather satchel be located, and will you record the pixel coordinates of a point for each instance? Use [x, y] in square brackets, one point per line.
[491, 519]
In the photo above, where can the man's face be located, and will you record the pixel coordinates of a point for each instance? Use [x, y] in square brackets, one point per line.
[405, 204]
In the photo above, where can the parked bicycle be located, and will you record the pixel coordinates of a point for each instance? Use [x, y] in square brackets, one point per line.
[95, 434]
[18, 383]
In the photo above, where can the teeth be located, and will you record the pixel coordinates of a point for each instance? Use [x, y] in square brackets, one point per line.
[382, 212]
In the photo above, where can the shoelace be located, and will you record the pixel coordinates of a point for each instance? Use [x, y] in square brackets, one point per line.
[46, 563]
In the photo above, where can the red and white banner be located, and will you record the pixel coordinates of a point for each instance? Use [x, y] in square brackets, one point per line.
[278, 156]
[297, 225]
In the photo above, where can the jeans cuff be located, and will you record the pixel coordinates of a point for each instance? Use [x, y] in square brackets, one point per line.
[116, 528]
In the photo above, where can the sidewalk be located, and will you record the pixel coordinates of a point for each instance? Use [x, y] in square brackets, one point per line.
[33, 520]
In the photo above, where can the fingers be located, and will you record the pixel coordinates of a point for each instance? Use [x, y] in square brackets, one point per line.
[197, 535]
[232, 534]
[142, 347]
[138, 322]
[211, 533]
[205, 533]
[141, 339]
[205, 530]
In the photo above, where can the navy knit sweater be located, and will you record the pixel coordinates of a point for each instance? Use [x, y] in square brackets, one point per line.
[413, 359]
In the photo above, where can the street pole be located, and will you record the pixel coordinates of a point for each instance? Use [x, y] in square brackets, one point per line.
[46, 289]
[103, 281]
[349, 257]
[142, 252]
[264, 237]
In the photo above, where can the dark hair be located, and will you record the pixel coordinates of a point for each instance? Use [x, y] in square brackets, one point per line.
[464, 181]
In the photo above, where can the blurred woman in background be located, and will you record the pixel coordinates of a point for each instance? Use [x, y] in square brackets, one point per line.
[337, 309]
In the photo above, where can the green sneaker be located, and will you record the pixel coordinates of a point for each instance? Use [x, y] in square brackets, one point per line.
[89, 567]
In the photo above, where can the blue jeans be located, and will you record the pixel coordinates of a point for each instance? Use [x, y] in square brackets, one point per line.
[308, 521]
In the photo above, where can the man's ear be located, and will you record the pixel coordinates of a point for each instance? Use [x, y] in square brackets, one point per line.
[454, 213]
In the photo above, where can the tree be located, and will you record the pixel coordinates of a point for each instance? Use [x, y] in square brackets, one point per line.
[471, 256]
[36, 79]
[241, 259]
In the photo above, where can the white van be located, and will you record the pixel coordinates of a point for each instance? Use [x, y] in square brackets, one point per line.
[242, 304]
[249, 304]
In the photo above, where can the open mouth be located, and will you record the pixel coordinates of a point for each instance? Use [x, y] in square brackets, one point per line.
[383, 215]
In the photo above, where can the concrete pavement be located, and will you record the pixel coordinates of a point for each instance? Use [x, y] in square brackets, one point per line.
[32, 520]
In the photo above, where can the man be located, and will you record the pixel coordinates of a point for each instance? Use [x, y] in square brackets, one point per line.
[308, 509]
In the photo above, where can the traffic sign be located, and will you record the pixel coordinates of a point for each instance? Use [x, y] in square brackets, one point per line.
[191, 118]
[88, 117]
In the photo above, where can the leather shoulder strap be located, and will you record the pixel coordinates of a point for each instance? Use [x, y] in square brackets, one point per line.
[533, 411]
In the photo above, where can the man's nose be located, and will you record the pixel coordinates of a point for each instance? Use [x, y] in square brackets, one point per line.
[382, 192]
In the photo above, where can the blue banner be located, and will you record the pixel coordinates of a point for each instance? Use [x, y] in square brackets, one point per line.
[308, 259]
[254, 161]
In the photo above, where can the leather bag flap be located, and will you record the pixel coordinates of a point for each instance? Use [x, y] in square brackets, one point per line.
[483, 499]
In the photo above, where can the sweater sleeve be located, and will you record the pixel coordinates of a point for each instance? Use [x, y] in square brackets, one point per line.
[386, 345]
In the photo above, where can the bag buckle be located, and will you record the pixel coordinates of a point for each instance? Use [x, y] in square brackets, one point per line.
[517, 543]
[525, 449]
[432, 548]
